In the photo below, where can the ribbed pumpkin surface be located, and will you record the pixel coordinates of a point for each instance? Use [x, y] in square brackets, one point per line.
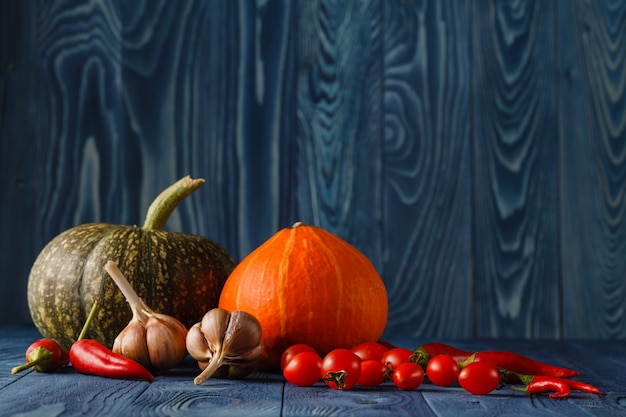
[174, 273]
[307, 285]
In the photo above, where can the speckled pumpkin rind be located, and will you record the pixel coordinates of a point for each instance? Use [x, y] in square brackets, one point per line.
[177, 274]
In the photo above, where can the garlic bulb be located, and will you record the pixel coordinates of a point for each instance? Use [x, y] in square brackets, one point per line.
[157, 341]
[225, 344]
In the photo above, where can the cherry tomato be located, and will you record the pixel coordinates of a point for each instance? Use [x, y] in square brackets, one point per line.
[479, 378]
[373, 373]
[303, 369]
[394, 357]
[292, 350]
[370, 350]
[408, 376]
[341, 369]
[442, 370]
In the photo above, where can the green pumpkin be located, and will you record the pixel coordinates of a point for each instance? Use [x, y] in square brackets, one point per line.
[178, 274]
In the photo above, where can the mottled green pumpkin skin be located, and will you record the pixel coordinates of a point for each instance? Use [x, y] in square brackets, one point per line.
[177, 274]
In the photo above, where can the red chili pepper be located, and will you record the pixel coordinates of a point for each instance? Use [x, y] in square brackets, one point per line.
[91, 357]
[558, 388]
[571, 383]
[537, 383]
[520, 364]
[44, 355]
[422, 354]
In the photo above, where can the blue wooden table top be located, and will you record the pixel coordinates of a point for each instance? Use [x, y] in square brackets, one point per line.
[67, 393]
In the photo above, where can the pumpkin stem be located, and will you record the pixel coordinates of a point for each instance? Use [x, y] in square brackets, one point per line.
[165, 203]
[297, 224]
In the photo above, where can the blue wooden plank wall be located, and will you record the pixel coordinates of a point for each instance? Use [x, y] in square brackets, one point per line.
[474, 150]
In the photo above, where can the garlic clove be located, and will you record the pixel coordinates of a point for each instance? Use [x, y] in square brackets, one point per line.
[172, 322]
[197, 345]
[251, 355]
[213, 326]
[242, 334]
[166, 343]
[131, 342]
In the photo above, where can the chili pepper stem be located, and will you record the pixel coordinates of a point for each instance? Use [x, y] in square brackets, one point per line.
[87, 324]
[526, 379]
[24, 367]
[214, 364]
[467, 361]
[39, 354]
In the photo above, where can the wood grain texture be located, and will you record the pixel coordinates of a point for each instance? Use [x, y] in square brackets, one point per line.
[514, 166]
[337, 150]
[143, 94]
[474, 152]
[385, 400]
[427, 160]
[80, 160]
[19, 157]
[206, 85]
[174, 394]
[592, 168]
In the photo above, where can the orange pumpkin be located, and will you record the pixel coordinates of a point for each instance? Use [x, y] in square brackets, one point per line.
[307, 285]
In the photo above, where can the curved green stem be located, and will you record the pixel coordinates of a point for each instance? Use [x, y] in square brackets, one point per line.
[467, 361]
[520, 389]
[92, 314]
[165, 203]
